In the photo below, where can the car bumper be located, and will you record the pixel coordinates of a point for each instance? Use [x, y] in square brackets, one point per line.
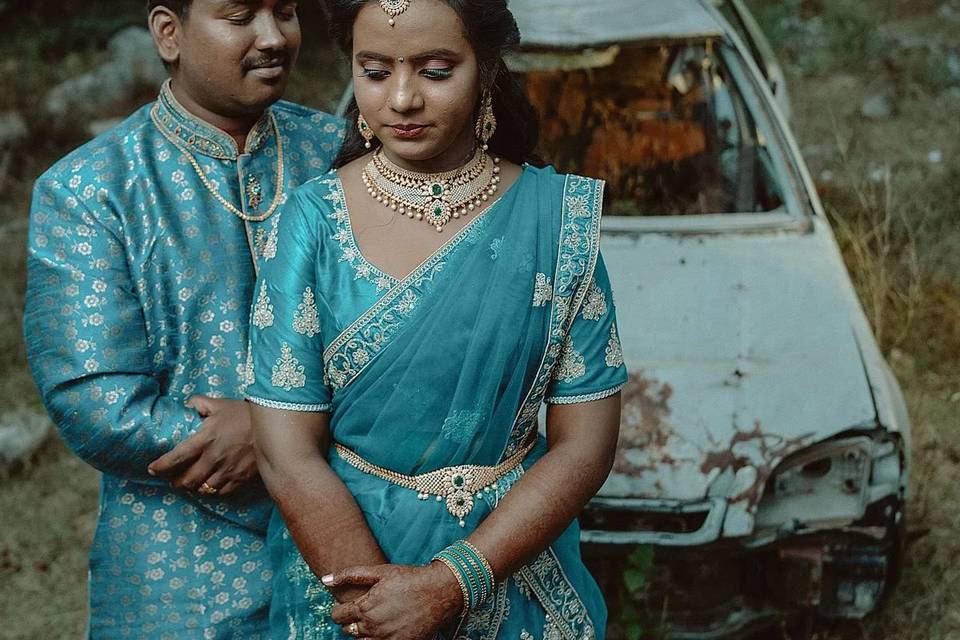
[736, 588]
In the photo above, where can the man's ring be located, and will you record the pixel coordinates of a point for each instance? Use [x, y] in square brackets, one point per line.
[353, 629]
[207, 490]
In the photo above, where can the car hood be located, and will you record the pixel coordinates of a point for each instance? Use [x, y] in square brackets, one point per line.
[741, 351]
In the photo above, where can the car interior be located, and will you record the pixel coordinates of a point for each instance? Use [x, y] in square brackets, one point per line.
[665, 125]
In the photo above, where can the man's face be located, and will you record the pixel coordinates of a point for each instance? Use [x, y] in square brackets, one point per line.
[234, 57]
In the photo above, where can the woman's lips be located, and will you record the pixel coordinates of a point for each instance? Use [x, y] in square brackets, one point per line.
[408, 131]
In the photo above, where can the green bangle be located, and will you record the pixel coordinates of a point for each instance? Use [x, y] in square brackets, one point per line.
[449, 564]
[472, 571]
[470, 578]
[483, 560]
[482, 564]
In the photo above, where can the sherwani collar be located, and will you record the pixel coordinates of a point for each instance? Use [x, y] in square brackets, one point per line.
[202, 137]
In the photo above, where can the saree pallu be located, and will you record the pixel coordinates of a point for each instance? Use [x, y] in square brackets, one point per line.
[449, 366]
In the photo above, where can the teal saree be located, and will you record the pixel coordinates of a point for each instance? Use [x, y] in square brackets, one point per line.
[448, 366]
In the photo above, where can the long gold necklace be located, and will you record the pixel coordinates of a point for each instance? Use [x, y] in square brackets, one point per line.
[212, 188]
[433, 197]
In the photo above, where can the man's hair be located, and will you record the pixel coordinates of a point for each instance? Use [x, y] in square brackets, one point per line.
[179, 7]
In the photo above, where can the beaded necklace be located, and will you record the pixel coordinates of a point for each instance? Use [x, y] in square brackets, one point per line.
[433, 197]
[212, 188]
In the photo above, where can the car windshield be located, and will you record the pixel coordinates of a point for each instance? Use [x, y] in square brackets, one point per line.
[666, 126]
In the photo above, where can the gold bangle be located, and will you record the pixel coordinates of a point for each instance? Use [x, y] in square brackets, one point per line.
[482, 591]
[483, 559]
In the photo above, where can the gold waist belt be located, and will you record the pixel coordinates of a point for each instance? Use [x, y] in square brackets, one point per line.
[457, 485]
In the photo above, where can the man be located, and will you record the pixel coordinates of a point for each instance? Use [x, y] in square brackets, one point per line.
[142, 256]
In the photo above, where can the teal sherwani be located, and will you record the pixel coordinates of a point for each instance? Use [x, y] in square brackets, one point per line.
[140, 279]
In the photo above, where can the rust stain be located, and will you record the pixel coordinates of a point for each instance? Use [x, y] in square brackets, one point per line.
[645, 425]
[771, 449]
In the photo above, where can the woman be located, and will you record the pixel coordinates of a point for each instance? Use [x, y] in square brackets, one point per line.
[397, 372]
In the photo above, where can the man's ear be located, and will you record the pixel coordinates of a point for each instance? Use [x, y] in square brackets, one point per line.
[165, 26]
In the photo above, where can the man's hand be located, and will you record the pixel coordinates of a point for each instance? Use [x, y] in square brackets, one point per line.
[220, 454]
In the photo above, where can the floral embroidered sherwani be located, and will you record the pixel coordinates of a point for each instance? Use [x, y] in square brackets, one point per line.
[140, 281]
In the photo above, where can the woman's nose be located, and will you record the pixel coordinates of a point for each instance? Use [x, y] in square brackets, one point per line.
[405, 96]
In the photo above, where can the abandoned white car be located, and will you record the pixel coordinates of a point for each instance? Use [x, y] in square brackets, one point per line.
[764, 441]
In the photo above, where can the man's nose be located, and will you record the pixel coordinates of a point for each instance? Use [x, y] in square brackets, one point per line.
[269, 35]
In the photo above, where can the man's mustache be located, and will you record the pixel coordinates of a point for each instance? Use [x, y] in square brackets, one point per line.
[275, 59]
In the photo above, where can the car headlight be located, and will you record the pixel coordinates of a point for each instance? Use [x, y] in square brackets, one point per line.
[825, 485]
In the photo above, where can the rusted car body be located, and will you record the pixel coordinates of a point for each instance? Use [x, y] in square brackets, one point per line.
[764, 442]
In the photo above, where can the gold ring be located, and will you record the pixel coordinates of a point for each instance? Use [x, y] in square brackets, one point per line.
[353, 629]
[207, 490]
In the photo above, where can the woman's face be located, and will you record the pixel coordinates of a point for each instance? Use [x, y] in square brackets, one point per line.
[422, 109]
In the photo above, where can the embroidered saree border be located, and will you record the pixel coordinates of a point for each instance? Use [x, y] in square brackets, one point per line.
[546, 578]
[579, 249]
[358, 345]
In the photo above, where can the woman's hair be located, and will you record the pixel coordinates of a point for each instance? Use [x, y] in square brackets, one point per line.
[492, 32]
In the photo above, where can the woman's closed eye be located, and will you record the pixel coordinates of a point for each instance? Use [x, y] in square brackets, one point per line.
[437, 73]
[432, 73]
[374, 74]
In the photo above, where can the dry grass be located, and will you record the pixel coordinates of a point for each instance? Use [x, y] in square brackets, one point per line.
[49, 511]
[891, 187]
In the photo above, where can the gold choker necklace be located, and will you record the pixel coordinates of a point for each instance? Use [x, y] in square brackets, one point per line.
[433, 197]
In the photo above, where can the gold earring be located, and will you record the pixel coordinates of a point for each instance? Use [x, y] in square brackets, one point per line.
[365, 132]
[486, 121]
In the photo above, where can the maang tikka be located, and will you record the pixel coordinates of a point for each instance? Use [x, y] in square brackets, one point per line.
[393, 8]
[486, 121]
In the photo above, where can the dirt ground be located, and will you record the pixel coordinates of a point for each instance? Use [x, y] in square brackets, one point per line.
[875, 87]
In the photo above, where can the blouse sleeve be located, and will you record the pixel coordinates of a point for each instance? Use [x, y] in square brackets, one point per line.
[285, 361]
[591, 363]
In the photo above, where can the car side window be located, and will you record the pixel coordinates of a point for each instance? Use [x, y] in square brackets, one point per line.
[666, 126]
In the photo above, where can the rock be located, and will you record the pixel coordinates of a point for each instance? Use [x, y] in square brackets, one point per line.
[953, 65]
[135, 49]
[13, 129]
[22, 432]
[880, 175]
[877, 107]
[133, 64]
